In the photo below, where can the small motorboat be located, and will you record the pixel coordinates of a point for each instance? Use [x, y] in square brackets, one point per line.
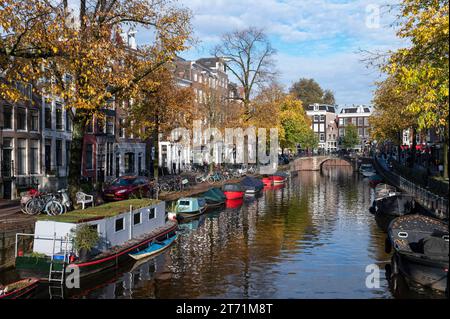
[19, 289]
[421, 250]
[234, 203]
[267, 180]
[383, 190]
[367, 170]
[252, 185]
[233, 191]
[214, 197]
[189, 207]
[389, 207]
[154, 247]
[280, 177]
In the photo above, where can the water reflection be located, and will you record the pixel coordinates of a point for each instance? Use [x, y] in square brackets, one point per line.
[311, 238]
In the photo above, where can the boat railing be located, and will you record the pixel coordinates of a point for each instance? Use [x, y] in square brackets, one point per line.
[436, 204]
[64, 241]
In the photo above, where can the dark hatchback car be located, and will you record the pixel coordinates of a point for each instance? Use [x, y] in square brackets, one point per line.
[125, 187]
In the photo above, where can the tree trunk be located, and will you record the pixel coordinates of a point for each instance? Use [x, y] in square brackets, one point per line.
[399, 148]
[76, 152]
[413, 149]
[156, 156]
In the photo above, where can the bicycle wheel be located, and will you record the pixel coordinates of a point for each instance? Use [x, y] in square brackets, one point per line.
[165, 188]
[54, 208]
[34, 206]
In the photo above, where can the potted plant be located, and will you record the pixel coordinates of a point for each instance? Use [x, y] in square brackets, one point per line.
[85, 237]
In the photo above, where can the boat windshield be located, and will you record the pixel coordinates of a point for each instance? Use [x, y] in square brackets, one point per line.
[123, 181]
[183, 203]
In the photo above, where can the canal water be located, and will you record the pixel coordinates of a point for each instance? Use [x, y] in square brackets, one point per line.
[312, 238]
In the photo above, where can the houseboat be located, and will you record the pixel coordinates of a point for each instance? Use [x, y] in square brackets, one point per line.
[123, 228]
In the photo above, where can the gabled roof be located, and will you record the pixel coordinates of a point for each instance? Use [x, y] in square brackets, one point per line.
[322, 107]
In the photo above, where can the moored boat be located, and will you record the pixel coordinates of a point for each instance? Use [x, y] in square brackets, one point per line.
[421, 250]
[233, 191]
[389, 207]
[19, 289]
[189, 207]
[234, 203]
[155, 246]
[214, 197]
[122, 230]
[251, 185]
[280, 177]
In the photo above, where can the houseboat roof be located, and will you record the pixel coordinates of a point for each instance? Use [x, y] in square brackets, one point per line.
[99, 212]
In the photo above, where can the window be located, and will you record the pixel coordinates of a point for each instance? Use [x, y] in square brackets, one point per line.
[59, 153]
[316, 118]
[110, 125]
[89, 156]
[59, 117]
[34, 120]
[366, 121]
[137, 219]
[94, 227]
[25, 89]
[120, 224]
[21, 156]
[195, 77]
[68, 122]
[122, 128]
[34, 157]
[360, 131]
[366, 132]
[322, 137]
[151, 213]
[21, 118]
[341, 132]
[322, 118]
[360, 121]
[48, 155]
[341, 121]
[7, 117]
[48, 116]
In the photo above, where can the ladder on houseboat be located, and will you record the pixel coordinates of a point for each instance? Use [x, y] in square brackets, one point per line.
[56, 277]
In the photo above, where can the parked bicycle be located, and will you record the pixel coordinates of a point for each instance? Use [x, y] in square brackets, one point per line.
[35, 203]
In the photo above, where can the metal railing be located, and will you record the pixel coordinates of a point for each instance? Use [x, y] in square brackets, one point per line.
[436, 204]
[62, 240]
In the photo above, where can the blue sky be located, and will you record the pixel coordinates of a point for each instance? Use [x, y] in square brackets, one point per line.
[317, 39]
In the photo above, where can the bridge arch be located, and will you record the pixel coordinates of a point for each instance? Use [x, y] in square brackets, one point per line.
[315, 163]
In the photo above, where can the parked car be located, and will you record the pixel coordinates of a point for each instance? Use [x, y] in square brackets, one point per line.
[125, 187]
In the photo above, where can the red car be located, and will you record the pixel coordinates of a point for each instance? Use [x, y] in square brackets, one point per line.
[125, 187]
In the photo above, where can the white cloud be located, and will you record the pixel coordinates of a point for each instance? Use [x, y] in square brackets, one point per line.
[314, 38]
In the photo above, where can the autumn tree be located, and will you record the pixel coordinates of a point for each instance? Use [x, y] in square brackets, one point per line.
[391, 115]
[249, 56]
[159, 107]
[50, 39]
[423, 66]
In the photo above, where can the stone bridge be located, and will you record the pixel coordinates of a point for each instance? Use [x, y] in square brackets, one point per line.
[315, 163]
